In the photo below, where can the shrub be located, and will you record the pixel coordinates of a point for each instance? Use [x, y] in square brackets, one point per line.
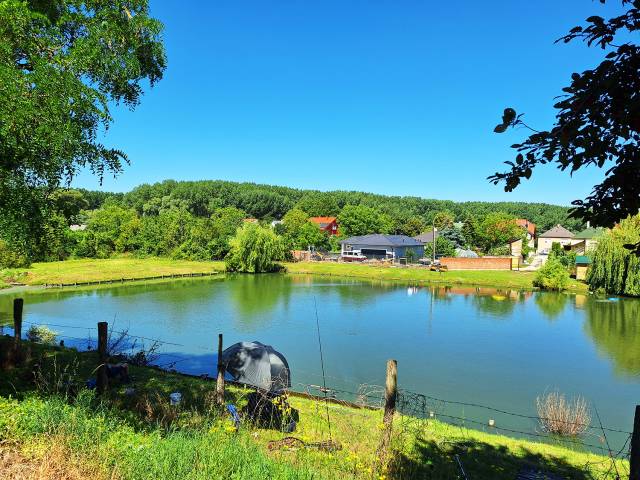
[559, 416]
[552, 276]
[11, 258]
[41, 334]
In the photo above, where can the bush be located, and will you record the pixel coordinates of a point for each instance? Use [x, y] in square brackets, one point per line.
[559, 416]
[11, 258]
[41, 334]
[552, 276]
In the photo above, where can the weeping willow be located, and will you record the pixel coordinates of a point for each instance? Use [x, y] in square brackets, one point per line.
[616, 269]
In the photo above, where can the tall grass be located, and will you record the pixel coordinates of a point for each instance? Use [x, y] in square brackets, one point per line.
[94, 435]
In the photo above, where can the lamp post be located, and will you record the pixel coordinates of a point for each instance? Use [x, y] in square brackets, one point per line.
[434, 230]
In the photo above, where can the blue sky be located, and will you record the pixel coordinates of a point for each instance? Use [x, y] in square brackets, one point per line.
[390, 97]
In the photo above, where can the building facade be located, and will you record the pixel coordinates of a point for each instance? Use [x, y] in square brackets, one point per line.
[557, 234]
[380, 246]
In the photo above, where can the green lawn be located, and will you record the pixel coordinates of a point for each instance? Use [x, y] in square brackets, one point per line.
[488, 278]
[88, 270]
[141, 436]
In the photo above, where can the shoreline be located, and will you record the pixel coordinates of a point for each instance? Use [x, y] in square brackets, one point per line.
[98, 272]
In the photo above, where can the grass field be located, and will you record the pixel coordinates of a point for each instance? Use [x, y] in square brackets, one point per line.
[141, 436]
[89, 270]
[86, 270]
[488, 278]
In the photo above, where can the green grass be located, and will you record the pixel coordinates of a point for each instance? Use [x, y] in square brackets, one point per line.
[89, 270]
[142, 436]
[488, 278]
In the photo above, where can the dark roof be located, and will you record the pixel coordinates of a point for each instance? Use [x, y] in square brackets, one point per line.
[557, 232]
[426, 237]
[589, 233]
[384, 240]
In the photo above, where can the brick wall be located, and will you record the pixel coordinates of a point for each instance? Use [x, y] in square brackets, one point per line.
[481, 263]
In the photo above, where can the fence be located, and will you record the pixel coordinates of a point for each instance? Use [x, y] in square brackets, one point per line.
[404, 417]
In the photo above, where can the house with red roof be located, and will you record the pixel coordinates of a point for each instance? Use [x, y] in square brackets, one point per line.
[530, 227]
[327, 224]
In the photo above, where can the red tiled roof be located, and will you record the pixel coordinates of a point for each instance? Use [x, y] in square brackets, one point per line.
[324, 220]
[524, 223]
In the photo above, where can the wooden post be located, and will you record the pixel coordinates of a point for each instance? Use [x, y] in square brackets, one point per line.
[220, 379]
[18, 305]
[634, 460]
[103, 381]
[390, 397]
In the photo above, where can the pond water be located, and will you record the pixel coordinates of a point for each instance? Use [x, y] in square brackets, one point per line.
[474, 345]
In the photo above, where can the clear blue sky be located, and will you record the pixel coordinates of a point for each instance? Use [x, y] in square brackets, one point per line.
[383, 96]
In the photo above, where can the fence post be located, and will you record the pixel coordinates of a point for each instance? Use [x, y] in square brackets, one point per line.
[18, 305]
[103, 381]
[390, 397]
[220, 379]
[634, 460]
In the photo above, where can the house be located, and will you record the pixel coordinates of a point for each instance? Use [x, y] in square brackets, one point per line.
[582, 265]
[77, 228]
[427, 237]
[530, 228]
[250, 220]
[327, 224]
[557, 234]
[587, 239]
[381, 246]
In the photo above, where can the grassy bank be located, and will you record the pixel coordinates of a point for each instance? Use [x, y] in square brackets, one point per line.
[89, 270]
[487, 278]
[140, 436]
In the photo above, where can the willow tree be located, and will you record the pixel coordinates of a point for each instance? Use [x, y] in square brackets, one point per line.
[616, 268]
[254, 249]
[63, 64]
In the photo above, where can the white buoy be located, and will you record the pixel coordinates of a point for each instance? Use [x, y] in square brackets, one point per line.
[492, 422]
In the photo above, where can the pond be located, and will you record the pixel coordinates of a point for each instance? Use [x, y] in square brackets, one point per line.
[474, 345]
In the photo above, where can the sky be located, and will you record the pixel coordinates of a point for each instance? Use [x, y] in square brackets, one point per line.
[383, 96]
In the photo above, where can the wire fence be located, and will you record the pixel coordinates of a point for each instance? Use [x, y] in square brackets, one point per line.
[419, 412]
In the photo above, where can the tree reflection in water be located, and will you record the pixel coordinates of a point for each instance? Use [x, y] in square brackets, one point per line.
[614, 327]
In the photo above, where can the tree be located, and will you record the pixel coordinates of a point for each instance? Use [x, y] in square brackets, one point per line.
[254, 249]
[411, 226]
[319, 204]
[69, 203]
[455, 236]
[62, 64]
[294, 219]
[497, 230]
[443, 220]
[444, 248]
[361, 220]
[597, 123]
[615, 269]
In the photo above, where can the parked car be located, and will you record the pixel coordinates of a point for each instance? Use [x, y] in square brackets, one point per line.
[353, 257]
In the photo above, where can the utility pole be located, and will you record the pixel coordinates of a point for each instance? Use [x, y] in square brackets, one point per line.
[434, 242]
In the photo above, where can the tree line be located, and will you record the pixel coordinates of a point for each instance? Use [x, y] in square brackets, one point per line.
[197, 219]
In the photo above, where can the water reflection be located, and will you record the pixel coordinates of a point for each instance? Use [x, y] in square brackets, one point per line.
[551, 304]
[614, 327]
